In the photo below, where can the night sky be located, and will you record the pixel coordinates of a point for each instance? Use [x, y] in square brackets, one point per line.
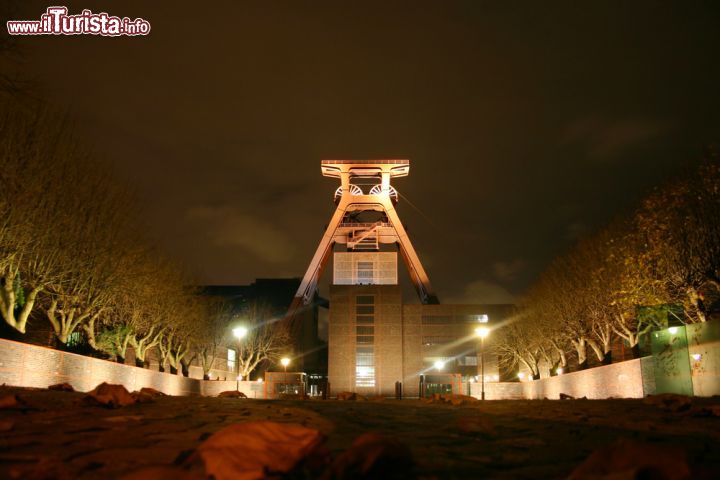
[526, 125]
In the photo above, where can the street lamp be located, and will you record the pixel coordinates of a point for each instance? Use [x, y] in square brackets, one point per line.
[239, 333]
[285, 361]
[439, 364]
[482, 332]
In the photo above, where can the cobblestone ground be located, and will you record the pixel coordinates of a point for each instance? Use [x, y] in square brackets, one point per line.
[54, 435]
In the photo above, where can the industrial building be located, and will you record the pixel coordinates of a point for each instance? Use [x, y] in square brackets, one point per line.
[375, 340]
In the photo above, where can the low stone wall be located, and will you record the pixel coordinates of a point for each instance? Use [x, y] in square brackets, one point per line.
[218, 372]
[619, 380]
[27, 365]
[498, 390]
[212, 388]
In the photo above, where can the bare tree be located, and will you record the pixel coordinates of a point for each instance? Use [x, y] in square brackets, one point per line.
[186, 316]
[212, 333]
[516, 346]
[114, 340]
[34, 146]
[679, 225]
[267, 340]
[98, 226]
[632, 282]
[137, 316]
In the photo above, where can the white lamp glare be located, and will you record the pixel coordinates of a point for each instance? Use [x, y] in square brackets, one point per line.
[240, 332]
[482, 332]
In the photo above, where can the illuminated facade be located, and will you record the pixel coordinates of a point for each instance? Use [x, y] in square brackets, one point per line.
[374, 340]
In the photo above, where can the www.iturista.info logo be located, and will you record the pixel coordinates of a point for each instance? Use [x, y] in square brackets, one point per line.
[56, 21]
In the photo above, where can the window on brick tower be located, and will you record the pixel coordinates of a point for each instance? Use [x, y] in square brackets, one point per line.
[365, 339]
[365, 272]
[231, 359]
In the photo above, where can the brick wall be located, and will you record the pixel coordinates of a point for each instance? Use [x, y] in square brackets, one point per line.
[212, 388]
[26, 365]
[219, 368]
[498, 390]
[619, 380]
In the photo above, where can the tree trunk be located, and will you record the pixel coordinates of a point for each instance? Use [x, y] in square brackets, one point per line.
[20, 322]
[697, 303]
[185, 369]
[8, 304]
[206, 376]
[89, 329]
[607, 359]
[173, 369]
[139, 363]
[120, 359]
[599, 353]
[635, 351]
[581, 350]
[161, 367]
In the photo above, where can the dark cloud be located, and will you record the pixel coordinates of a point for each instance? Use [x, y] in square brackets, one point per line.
[227, 227]
[608, 139]
[482, 292]
[508, 271]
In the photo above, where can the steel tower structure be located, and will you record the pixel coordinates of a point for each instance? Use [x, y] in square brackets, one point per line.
[345, 227]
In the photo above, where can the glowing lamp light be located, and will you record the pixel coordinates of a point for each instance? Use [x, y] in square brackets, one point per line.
[672, 330]
[496, 378]
[482, 332]
[259, 380]
[240, 332]
[521, 375]
[559, 370]
[285, 361]
[239, 378]
[483, 318]
[439, 364]
[696, 357]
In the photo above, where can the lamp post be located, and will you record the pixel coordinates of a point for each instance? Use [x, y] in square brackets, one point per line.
[239, 333]
[482, 332]
[285, 361]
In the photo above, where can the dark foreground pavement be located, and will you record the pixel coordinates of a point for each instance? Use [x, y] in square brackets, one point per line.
[55, 435]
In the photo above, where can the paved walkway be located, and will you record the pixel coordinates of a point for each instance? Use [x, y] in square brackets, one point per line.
[55, 435]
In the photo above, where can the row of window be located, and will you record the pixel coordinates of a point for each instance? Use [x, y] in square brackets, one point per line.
[460, 361]
[452, 319]
[365, 340]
